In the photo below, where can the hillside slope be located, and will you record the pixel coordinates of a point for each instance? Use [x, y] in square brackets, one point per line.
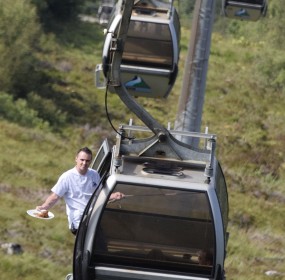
[241, 107]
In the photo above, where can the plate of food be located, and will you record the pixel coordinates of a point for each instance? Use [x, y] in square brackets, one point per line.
[41, 214]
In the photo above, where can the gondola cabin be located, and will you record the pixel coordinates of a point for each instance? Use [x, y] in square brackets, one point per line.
[105, 10]
[172, 221]
[151, 51]
[250, 10]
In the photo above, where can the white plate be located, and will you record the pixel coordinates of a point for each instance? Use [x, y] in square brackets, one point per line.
[34, 212]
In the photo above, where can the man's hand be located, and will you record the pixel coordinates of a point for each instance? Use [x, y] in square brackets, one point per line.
[116, 196]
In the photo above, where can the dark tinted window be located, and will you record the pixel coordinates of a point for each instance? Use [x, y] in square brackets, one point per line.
[148, 44]
[101, 156]
[157, 228]
[222, 194]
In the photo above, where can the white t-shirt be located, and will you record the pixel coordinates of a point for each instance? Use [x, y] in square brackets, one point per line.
[76, 189]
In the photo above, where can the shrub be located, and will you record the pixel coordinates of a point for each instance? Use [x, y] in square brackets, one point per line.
[19, 112]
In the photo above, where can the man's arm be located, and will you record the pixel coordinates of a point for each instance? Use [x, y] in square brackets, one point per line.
[50, 201]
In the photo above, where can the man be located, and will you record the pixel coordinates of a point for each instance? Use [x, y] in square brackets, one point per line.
[76, 186]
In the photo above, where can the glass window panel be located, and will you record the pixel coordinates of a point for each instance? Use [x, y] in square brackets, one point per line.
[222, 194]
[148, 44]
[157, 228]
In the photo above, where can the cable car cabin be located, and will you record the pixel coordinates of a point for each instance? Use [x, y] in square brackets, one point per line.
[151, 51]
[250, 10]
[104, 11]
[171, 223]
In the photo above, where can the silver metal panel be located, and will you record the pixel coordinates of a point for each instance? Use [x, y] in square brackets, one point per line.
[242, 10]
[114, 273]
[242, 13]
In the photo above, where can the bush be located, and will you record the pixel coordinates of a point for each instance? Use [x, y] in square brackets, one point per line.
[47, 109]
[19, 112]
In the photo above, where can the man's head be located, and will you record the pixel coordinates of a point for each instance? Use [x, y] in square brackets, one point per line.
[83, 159]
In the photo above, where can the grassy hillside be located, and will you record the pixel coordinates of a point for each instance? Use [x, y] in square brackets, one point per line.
[247, 117]
[244, 111]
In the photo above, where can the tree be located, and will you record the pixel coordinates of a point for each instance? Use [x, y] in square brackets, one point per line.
[63, 10]
[19, 32]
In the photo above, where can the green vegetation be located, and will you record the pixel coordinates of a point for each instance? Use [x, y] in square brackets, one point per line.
[49, 107]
